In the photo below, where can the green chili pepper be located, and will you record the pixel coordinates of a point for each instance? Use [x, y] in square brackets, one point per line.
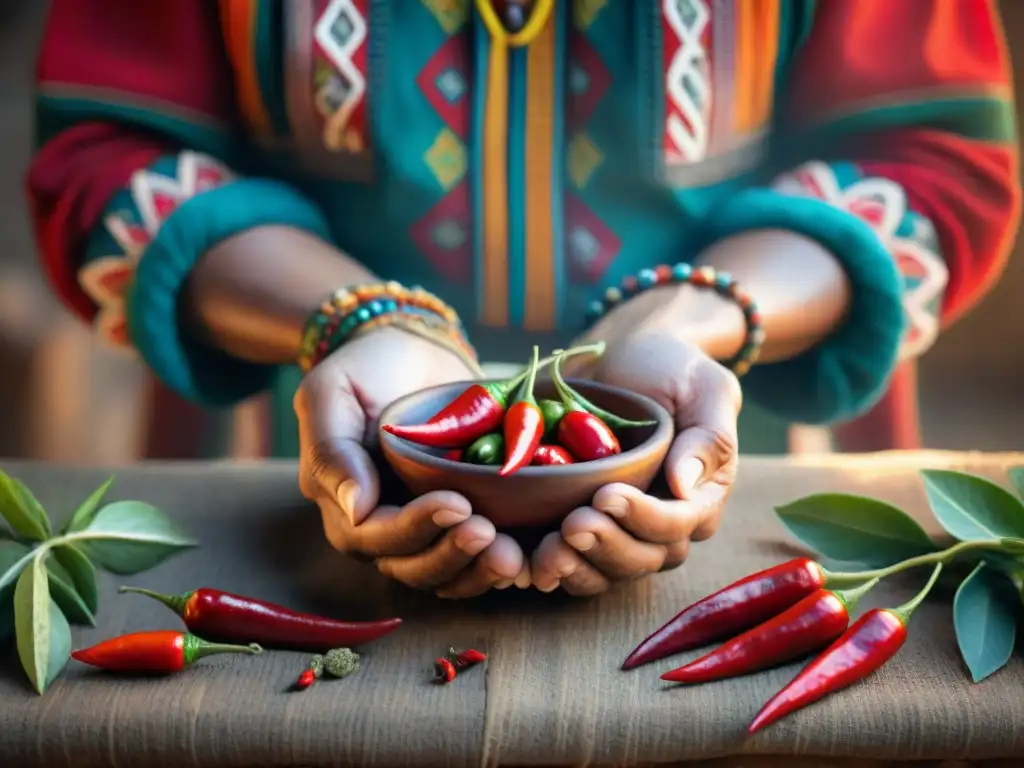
[488, 450]
[553, 411]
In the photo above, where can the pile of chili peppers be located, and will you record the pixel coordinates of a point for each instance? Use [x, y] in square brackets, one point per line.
[232, 619]
[778, 615]
[503, 424]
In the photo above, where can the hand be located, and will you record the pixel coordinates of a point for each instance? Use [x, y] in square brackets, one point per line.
[434, 542]
[625, 533]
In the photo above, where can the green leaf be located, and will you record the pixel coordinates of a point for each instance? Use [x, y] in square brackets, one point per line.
[855, 529]
[1016, 475]
[985, 617]
[127, 537]
[62, 590]
[20, 508]
[13, 557]
[82, 573]
[87, 509]
[972, 508]
[44, 637]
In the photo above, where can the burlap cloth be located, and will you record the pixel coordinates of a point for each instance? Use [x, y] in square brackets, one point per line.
[552, 693]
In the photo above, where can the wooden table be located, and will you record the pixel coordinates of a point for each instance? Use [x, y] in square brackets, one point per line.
[552, 692]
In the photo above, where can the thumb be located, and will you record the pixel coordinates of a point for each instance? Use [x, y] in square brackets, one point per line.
[332, 423]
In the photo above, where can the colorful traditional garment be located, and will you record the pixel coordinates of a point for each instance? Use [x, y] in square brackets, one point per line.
[517, 176]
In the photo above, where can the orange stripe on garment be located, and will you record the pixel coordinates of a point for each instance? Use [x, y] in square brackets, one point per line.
[495, 192]
[756, 53]
[238, 19]
[539, 314]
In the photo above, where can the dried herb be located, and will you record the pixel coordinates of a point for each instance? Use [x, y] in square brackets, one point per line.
[47, 580]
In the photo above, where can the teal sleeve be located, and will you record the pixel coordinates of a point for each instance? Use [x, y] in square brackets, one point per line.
[847, 373]
[195, 371]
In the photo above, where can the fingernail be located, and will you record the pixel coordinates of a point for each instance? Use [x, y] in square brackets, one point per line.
[504, 583]
[554, 585]
[690, 473]
[616, 507]
[582, 542]
[473, 547]
[446, 518]
[348, 495]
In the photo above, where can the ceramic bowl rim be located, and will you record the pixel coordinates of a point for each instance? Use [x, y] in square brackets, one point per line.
[652, 444]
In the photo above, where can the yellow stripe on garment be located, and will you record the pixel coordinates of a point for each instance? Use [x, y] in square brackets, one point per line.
[756, 52]
[539, 312]
[238, 20]
[495, 311]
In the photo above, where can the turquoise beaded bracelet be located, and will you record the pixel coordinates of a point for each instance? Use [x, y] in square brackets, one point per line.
[704, 277]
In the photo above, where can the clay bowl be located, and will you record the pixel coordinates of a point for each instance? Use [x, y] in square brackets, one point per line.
[533, 496]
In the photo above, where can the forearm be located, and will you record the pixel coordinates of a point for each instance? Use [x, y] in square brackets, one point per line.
[801, 290]
[251, 294]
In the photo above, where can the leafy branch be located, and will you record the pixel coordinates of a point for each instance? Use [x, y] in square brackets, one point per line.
[986, 522]
[48, 581]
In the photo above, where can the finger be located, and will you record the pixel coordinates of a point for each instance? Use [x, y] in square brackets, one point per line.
[609, 548]
[707, 446]
[659, 521]
[443, 561]
[333, 460]
[556, 564]
[675, 555]
[496, 568]
[409, 529]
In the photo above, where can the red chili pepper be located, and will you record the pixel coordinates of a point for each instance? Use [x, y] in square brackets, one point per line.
[306, 680]
[524, 424]
[224, 616]
[467, 658]
[872, 640]
[162, 651]
[581, 433]
[444, 670]
[551, 456]
[453, 455]
[739, 606]
[811, 624]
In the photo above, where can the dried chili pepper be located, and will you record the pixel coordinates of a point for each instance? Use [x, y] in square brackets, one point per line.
[444, 670]
[812, 623]
[581, 433]
[488, 450]
[551, 456]
[341, 662]
[867, 645]
[224, 616]
[306, 680]
[732, 609]
[553, 411]
[524, 424]
[161, 651]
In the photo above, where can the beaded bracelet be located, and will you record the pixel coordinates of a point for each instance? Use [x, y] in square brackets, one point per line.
[353, 311]
[704, 277]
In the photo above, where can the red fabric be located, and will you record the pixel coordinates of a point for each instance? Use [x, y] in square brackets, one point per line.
[866, 54]
[160, 55]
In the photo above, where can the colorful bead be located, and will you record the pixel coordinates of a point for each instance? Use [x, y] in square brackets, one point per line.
[705, 276]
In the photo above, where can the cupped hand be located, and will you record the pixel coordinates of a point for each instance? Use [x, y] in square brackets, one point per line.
[434, 542]
[625, 533]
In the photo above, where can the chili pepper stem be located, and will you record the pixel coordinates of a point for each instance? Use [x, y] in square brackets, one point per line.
[943, 557]
[176, 603]
[574, 401]
[196, 648]
[516, 381]
[851, 597]
[904, 611]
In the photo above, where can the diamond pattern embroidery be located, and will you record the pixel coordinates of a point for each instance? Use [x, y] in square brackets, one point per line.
[591, 244]
[106, 280]
[444, 82]
[909, 237]
[588, 81]
[340, 37]
[584, 159]
[450, 14]
[687, 82]
[444, 235]
[447, 158]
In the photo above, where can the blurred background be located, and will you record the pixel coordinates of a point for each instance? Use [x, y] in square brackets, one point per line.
[64, 398]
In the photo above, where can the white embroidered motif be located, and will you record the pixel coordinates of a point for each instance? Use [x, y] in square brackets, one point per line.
[882, 204]
[106, 280]
[687, 81]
